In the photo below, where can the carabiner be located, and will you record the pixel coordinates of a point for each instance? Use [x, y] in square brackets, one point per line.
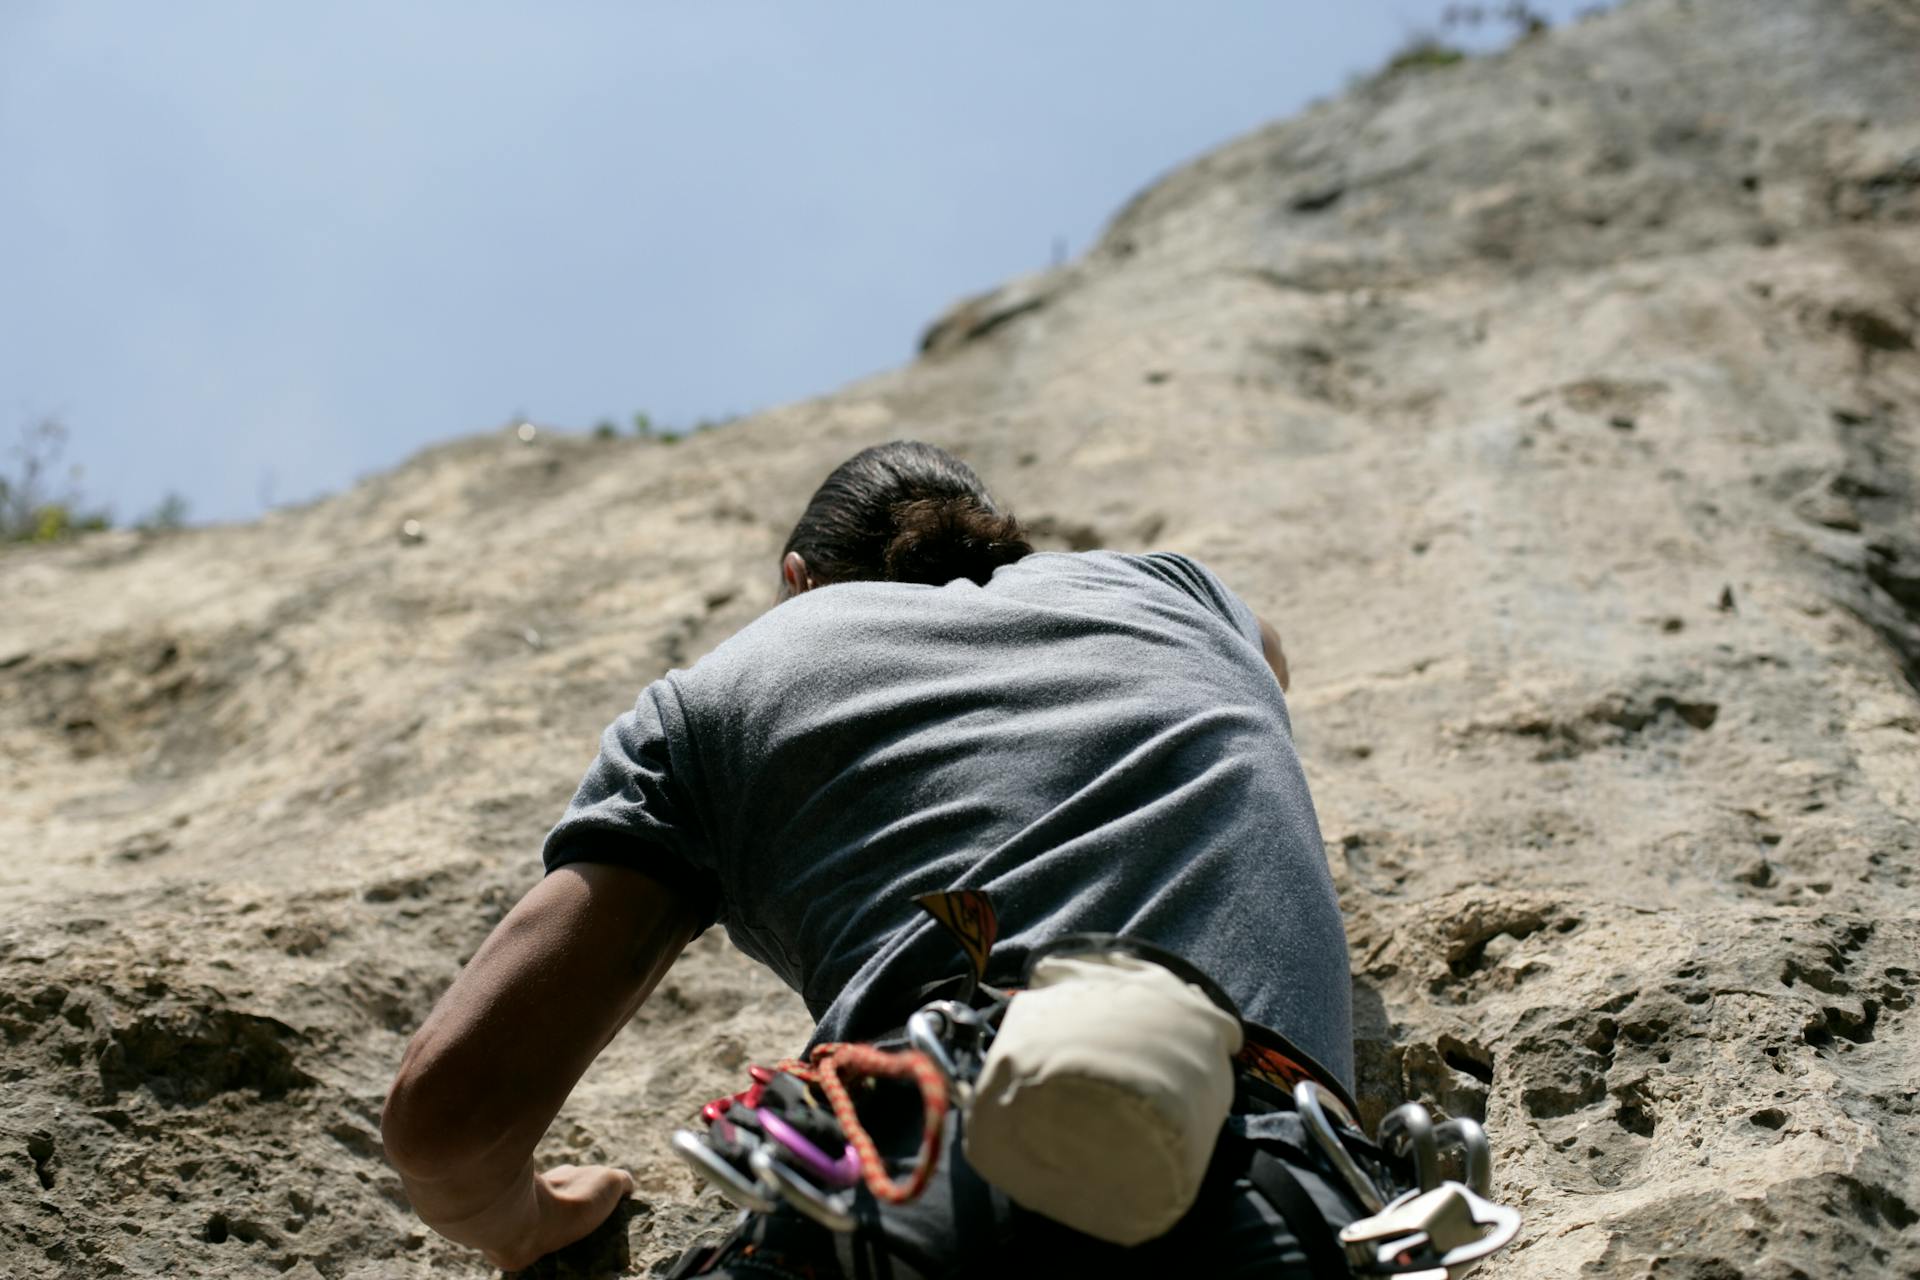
[954, 1036]
[722, 1176]
[1476, 1152]
[830, 1171]
[1310, 1100]
[834, 1212]
[1407, 1131]
[926, 1031]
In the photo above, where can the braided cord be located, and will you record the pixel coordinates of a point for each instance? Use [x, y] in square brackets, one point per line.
[833, 1066]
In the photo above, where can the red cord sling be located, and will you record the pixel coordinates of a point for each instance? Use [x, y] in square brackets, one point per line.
[831, 1066]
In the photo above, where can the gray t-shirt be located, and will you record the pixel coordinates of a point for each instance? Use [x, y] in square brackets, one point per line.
[1092, 739]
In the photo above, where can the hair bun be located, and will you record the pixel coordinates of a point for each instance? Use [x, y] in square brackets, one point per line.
[937, 540]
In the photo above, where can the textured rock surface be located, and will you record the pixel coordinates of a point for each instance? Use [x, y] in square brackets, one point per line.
[1562, 408]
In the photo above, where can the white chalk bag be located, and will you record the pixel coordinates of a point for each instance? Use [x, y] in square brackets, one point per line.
[1105, 1089]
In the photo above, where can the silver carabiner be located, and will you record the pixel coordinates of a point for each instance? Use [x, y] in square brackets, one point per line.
[720, 1175]
[926, 1031]
[1409, 1124]
[961, 1015]
[1476, 1152]
[834, 1212]
[1311, 1101]
[936, 1030]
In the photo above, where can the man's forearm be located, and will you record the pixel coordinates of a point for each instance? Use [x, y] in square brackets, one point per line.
[484, 1076]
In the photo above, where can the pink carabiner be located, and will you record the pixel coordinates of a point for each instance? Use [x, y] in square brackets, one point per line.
[829, 1171]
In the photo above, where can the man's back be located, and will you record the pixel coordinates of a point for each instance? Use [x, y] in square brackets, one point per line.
[1093, 739]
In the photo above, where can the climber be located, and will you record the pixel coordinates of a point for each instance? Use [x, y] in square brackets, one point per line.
[1095, 741]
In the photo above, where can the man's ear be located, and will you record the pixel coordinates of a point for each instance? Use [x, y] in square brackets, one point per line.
[1276, 656]
[793, 572]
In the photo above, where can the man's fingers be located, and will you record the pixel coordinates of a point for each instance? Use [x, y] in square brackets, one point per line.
[572, 1202]
[582, 1199]
[590, 1183]
[608, 1187]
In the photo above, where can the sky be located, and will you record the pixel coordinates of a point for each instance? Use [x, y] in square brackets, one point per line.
[252, 252]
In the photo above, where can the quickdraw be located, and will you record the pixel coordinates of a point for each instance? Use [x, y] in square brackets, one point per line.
[825, 1067]
[772, 1143]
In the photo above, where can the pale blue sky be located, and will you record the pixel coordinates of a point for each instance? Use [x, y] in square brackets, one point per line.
[251, 251]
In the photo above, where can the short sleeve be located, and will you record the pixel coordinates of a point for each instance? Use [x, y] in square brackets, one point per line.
[1198, 581]
[636, 807]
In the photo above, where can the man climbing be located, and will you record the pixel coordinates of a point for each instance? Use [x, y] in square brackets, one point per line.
[1094, 742]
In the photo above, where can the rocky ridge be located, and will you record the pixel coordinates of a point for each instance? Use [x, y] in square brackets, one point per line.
[1561, 407]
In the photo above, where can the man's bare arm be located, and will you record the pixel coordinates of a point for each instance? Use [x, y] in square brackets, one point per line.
[485, 1075]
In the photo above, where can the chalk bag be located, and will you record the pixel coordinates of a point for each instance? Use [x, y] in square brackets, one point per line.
[1103, 1094]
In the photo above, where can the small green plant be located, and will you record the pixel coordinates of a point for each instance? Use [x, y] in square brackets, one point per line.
[643, 426]
[1423, 53]
[605, 430]
[56, 521]
[1426, 51]
[30, 509]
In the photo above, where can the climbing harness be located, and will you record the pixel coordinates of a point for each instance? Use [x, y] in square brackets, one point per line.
[795, 1138]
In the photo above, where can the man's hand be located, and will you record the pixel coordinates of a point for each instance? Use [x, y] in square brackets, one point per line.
[485, 1075]
[552, 1210]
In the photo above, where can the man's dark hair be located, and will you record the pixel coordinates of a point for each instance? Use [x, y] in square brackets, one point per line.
[905, 512]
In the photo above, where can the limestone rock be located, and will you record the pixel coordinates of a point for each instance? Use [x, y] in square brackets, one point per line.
[1560, 407]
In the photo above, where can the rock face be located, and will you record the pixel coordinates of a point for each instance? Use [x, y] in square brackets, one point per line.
[1563, 410]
